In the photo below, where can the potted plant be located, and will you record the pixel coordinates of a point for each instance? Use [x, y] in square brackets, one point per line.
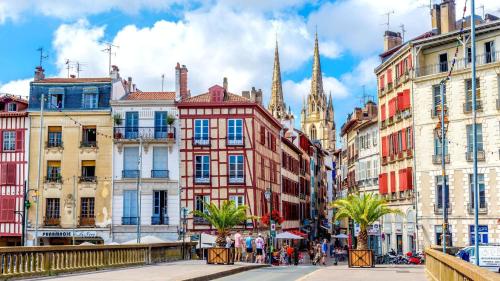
[223, 219]
[170, 123]
[364, 209]
[118, 122]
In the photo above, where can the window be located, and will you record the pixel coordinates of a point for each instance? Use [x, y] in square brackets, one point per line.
[238, 200]
[437, 145]
[489, 51]
[90, 97]
[88, 171]
[161, 124]
[87, 211]
[313, 132]
[7, 208]
[408, 138]
[130, 162]
[436, 99]
[439, 192]
[89, 137]
[468, 95]
[375, 139]
[129, 207]
[201, 132]
[483, 234]
[443, 62]
[160, 162]
[202, 169]
[479, 138]
[132, 125]
[55, 98]
[469, 54]
[160, 215]
[12, 106]
[439, 235]
[54, 171]
[482, 192]
[8, 173]
[262, 135]
[52, 208]
[199, 200]
[9, 141]
[234, 132]
[236, 169]
[55, 136]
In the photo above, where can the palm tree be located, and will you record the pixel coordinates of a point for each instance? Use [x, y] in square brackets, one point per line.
[363, 209]
[223, 219]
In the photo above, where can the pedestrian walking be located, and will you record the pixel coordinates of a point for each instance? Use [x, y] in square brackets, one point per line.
[228, 242]
[238, 245]
[289, 253]
[296, 254]
[249, 248]
[324, 251]
[259, 245]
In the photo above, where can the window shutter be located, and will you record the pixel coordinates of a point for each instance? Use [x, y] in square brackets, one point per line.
[411, 137]
[403, 135]
[393, 181]
[384, 146]
[409, 178]
[382, 112]
[11, 208]
[389, 75]
[3, 210]
[410, 62]
[402, 180]
[19, 140]
[406, 99]
[3, 174]
[1, 140]
[11, 173]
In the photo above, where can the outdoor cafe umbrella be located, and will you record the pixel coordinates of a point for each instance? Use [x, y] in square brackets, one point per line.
[341, 236]
[287, 235]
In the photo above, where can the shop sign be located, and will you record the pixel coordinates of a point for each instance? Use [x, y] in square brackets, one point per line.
[374, 229]
[65, 233]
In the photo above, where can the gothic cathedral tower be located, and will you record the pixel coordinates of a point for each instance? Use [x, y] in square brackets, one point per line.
[317, 116]
[277, 105]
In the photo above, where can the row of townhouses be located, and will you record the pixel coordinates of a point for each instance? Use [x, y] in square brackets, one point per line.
[394, 147]
[98, 160]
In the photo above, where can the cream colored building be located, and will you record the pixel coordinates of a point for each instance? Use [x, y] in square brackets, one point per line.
[434, 58]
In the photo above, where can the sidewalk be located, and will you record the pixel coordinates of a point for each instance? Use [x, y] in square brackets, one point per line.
[193, 270]
[378, 273]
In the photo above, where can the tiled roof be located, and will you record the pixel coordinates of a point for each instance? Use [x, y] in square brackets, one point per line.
[12, 97]
[151, 96]
[206, 98]
[74, 80]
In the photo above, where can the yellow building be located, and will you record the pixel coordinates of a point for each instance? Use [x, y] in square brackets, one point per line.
[70, 160]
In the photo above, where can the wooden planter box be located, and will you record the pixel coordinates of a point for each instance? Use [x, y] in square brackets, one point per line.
[220, 256]
[361, 258]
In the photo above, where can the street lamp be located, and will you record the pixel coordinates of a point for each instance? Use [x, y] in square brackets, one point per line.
[268, 194]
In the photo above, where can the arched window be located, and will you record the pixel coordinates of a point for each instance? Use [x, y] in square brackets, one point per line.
[313, 132]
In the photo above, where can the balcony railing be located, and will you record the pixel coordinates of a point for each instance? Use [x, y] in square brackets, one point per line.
[158, 220]
[437, 113]
[54, 144]
[436, 159]
[237, 180]
[200, 220]
[201, 142]
[87, 179]
[235, 142]
[204, 180]
[52, 221]
[460, 64]
[148, 133]
[480, 156]
[483, 208]
[128, 174]
[468, 106]
[53, 179]
[160, 174]
[87, 221]
[88, 144]
[438, 209]
[129, 220]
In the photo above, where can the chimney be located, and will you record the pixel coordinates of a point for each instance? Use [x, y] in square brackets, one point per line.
[391, 40]
[245, 94]
[371, 109]
[72, 76]
[436, 18]
[448, 18]
[224, 83]
[39, 73]
[115, 73]
[181, 80]
[129, 84]
[256, 96]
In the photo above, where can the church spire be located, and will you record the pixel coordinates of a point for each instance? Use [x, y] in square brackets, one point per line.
[277, 105]
[317, 80]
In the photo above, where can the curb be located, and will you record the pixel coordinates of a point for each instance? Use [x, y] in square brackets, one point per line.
[226, 273]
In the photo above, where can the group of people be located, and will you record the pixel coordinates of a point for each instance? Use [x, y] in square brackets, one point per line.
[252, 247]
[319, 252]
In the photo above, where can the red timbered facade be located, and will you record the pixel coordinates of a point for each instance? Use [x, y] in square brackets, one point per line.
[230, 150]
[13, 167]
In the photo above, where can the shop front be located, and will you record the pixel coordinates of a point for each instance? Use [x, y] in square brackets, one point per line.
[69, 236]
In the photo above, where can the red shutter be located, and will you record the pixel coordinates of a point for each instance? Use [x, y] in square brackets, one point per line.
[411, 137]
[384, 146]
[19, 140]
[403, 138]
[382, 183]
[381, 82]
[400, 101]
[406, 99]
[410, 62]
[392, 107]
[1, 140]
[11, 173]
[3, 209]
[393, 181]
[11, 208]
[382, 112]
[402, 180]
[409, 178]
[389, 75]
[3, 173]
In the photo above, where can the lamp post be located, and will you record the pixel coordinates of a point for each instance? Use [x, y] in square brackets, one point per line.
[268, 194]
[184, 228]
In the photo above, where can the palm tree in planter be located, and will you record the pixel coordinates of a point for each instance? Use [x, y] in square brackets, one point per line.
[170, 123]
[223, 219]
[364, 209]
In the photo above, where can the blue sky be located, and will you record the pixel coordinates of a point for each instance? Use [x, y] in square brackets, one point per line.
[215, 39]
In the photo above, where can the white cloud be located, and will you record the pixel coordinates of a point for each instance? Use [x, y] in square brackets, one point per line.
[17, 87]
[362, 74]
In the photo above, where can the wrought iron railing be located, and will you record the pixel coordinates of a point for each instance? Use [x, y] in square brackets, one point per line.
[54, 144]
[201, 142]
[129, 220]
[87, 179]
[436, 159]
[237, 180]
[460, 64]
[52, 221]
[88, 144]
[160, 173]
[480, 156]
[483, 207]
[159, 220]
[438, 208]
[203, 180]
[147, 133]
[87, 221]
[468, 106]
[128, 174]
[54, 179]
[236, 141]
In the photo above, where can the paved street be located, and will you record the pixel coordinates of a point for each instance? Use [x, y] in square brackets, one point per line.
[272, 274]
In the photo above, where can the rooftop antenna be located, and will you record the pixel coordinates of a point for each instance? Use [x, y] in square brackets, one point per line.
[403, 31]
[482, 8]
[68, 65]
[428, 6]
[162, 81]
[42, 56]
[109, 50]
[388, 14]
[78, 69]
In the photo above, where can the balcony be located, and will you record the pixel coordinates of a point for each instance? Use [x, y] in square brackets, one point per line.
[52, 221]
[389, 86]
[381, 92]
[130, 174]
[129, 220]
[409, 153]
[480, 156]
[201, 142]
[202, 180]
[88, 144]
[438, 209]
[483, 208]
[54, 144]
[437, 113]
[235, 142]
[150, 134]
[200, 220]
[460, 64]
[436, 159]
[87, 221]
[90, 179]
[53, 179]
[162, 174]
[236, 180]
[468, 106]
[158, 220]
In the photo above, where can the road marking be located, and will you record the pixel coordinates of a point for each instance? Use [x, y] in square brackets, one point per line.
[307, 275]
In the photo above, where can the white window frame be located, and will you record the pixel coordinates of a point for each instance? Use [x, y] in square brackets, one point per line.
[201, 178]
[239, 200]
[232, 129]
[9, 141]
[239, 171]
[203, 137]
[9, 107]
[90, 100]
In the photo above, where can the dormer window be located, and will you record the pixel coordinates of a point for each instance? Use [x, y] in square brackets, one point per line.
[216, 93]
[11, 107]
[55, 99]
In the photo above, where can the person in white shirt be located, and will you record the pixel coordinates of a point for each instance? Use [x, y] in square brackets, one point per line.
[238, 245]
[259, 246]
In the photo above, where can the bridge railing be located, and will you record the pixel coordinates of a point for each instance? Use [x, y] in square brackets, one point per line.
[50, 260]
[444, 267]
